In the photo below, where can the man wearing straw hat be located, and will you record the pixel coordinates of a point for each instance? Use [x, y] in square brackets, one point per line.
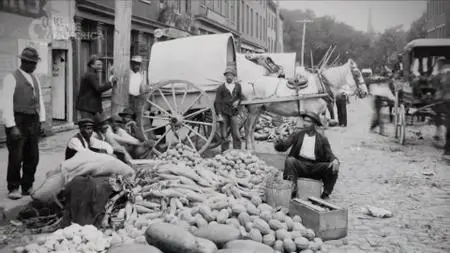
[23, 111]
[310, 155]
[228, 98]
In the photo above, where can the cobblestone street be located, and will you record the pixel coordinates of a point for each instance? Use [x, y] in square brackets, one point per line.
[375, 171]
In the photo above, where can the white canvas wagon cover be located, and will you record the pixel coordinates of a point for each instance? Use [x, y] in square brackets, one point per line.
[198, 59]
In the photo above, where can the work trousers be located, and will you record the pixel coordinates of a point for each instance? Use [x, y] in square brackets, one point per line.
[341, 105]
[330, 107]
[233, 123]
[299, 168]
[23, 152]
[377, 121]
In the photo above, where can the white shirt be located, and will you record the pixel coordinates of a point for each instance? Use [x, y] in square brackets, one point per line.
[230, 86]
[77, 145]
[308, 147]
[135, 83]
[7, 98]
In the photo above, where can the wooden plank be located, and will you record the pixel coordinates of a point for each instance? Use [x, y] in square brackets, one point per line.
[322, 202]
[122, 37]
[282, 99]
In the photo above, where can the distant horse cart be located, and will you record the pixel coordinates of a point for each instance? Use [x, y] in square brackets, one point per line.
[185, 73]
[419, 92]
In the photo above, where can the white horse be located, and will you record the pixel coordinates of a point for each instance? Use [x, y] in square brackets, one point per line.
[272, 88]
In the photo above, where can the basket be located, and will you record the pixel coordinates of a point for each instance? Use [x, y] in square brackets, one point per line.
[278, 191]
[307, 187]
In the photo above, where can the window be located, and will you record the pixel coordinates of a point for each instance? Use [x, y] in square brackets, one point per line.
[265, 29]
[233, 11]
[227, 9]
[188, 6]
[220, 6]
[251, 22]
[261, 28]
[243, 16]
[257, 25]
[247, 20]
[177, 6]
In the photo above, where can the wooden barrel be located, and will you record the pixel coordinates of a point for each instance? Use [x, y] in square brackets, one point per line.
[278, 197]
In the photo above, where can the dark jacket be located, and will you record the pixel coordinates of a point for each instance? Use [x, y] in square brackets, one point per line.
[90, 94]
[224, 99]
[322, 150]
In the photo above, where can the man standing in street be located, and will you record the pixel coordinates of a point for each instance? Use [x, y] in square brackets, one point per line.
[228, 98]
[89, 102]
[136, 82]
[23, 111]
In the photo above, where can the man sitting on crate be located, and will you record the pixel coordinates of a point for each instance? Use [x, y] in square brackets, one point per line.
[310, 155]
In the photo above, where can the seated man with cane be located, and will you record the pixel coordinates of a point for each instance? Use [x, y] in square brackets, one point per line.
[310, 155]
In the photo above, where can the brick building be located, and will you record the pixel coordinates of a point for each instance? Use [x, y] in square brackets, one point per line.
[438, 19]
[67, 32]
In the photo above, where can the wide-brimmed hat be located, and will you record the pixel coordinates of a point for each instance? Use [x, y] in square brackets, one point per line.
[102, 118]
[230, 70]
[30, 54]
[137, 58]
[85, 122]
[127, 112]
[93, 59]
[313, 116]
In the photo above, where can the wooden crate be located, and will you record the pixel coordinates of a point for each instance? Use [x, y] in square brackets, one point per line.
[328, 225]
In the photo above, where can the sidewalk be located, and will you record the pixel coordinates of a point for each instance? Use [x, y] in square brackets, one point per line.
[51, 154]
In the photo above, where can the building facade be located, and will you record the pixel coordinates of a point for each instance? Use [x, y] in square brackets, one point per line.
[68, 32]
[438, 19]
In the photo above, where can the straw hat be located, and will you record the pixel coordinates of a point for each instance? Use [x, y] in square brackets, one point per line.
[136, 58]
[313, 116]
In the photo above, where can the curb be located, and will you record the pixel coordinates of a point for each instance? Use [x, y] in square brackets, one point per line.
[10, 209]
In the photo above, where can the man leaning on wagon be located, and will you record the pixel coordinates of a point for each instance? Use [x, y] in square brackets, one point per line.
[310, 155]
[228, 98]
[23, 111]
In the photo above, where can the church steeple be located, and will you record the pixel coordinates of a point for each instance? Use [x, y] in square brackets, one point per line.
[370, 29]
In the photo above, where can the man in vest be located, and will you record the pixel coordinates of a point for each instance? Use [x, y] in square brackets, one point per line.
[310, 155]
[23, 111]
[228, 98]
[84, 141]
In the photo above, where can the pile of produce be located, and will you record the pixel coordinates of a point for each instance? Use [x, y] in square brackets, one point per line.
[200, 206]
[75, 238]
[268, 129]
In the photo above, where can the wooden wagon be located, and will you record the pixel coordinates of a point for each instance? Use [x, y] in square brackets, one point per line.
[184, 75]
[414, 94]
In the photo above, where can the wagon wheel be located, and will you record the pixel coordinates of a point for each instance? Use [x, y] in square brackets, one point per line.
[176, 114]
[401, 124]
[396, 118]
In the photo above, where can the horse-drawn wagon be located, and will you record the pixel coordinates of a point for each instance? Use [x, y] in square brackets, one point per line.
[415, 93]
[184, 75]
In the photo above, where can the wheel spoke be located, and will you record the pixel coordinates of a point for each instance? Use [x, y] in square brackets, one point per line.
[162, 137]
[156, 117]
[193, 103]
[174, 98]
[195, 132]
[198, 122]
[190, 141]
[165, 100]
[196, 113]
[184, 96]
[156, 127]
[159, 107]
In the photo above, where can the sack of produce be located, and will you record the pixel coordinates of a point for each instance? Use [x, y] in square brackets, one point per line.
[50, 188]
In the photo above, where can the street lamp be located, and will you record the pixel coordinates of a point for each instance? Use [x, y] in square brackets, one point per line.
[305, 21]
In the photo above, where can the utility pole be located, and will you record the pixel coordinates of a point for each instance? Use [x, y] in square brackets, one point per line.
[303, 38]
[122, 37]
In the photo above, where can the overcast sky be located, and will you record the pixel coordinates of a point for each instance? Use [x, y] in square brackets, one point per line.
[385, 14]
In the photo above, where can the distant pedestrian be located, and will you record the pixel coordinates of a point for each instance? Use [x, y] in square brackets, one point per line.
[136, 87]
[23, 111]
[89, 102]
